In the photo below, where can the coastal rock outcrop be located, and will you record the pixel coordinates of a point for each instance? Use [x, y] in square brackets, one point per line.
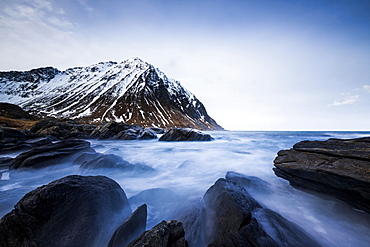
[121, 131]
[72, 211]
[229, 216]
[12, 140]
[337, 167]
[50, 154]
[62, 128]
[185, 134]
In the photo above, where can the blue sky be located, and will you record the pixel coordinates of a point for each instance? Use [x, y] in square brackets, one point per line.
[256, 65]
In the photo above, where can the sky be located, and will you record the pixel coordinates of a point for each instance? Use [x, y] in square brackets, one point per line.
[254, 64]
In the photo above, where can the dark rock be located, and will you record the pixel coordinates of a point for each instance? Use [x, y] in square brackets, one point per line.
[116, 131]
[14, 134]
[184, 134]
[147, 134]
[41, 141]
[72, 211]
[130, 134]
[130, 229]
[5, 162]
[50, 154]
[62, 128]
[335, 167]
[165, 234]
[17, 140]
[229, 216]
[12, 140]
[105, 161]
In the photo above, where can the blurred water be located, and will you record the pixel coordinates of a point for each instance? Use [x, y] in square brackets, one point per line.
[188, 169]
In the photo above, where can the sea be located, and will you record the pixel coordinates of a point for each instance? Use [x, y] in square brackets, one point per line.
[183, 171]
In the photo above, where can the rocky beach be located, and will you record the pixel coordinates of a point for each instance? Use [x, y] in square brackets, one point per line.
[115, 184]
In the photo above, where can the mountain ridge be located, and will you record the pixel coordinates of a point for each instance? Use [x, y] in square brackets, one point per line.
[131, 91]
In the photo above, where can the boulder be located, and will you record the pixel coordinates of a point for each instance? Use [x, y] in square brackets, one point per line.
[72, 211]
[335, 167]
[229, 220]
[229, 216]
[50, 154]
[130, 229]
[105, 161]
[185, 134]
[121, 131]
[165, 234]
[62, 128]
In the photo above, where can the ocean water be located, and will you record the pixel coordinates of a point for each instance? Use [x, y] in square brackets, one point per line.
[185, 170]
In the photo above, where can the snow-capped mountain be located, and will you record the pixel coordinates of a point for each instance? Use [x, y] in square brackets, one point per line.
[132, 91]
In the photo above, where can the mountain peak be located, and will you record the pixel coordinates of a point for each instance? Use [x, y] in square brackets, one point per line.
[132, 91]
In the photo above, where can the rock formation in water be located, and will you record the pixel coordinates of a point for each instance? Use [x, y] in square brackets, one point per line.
[229, 216]
[72, 211]
[133, 92]
[184, 134]
[51, 154]
[336, 167]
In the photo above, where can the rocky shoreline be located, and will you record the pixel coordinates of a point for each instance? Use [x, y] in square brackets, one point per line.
[94, 210]
[336, 167]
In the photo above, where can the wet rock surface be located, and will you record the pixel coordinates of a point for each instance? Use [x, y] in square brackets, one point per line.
[336, 167]
[72, 211]
[50, 154]
[229, 216]
[185, 134]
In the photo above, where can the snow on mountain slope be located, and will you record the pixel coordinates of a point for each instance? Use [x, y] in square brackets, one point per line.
[132, 91]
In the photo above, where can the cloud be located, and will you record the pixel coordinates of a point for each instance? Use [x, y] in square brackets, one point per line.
[85, 5]
[366, 88]
[349, 100]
